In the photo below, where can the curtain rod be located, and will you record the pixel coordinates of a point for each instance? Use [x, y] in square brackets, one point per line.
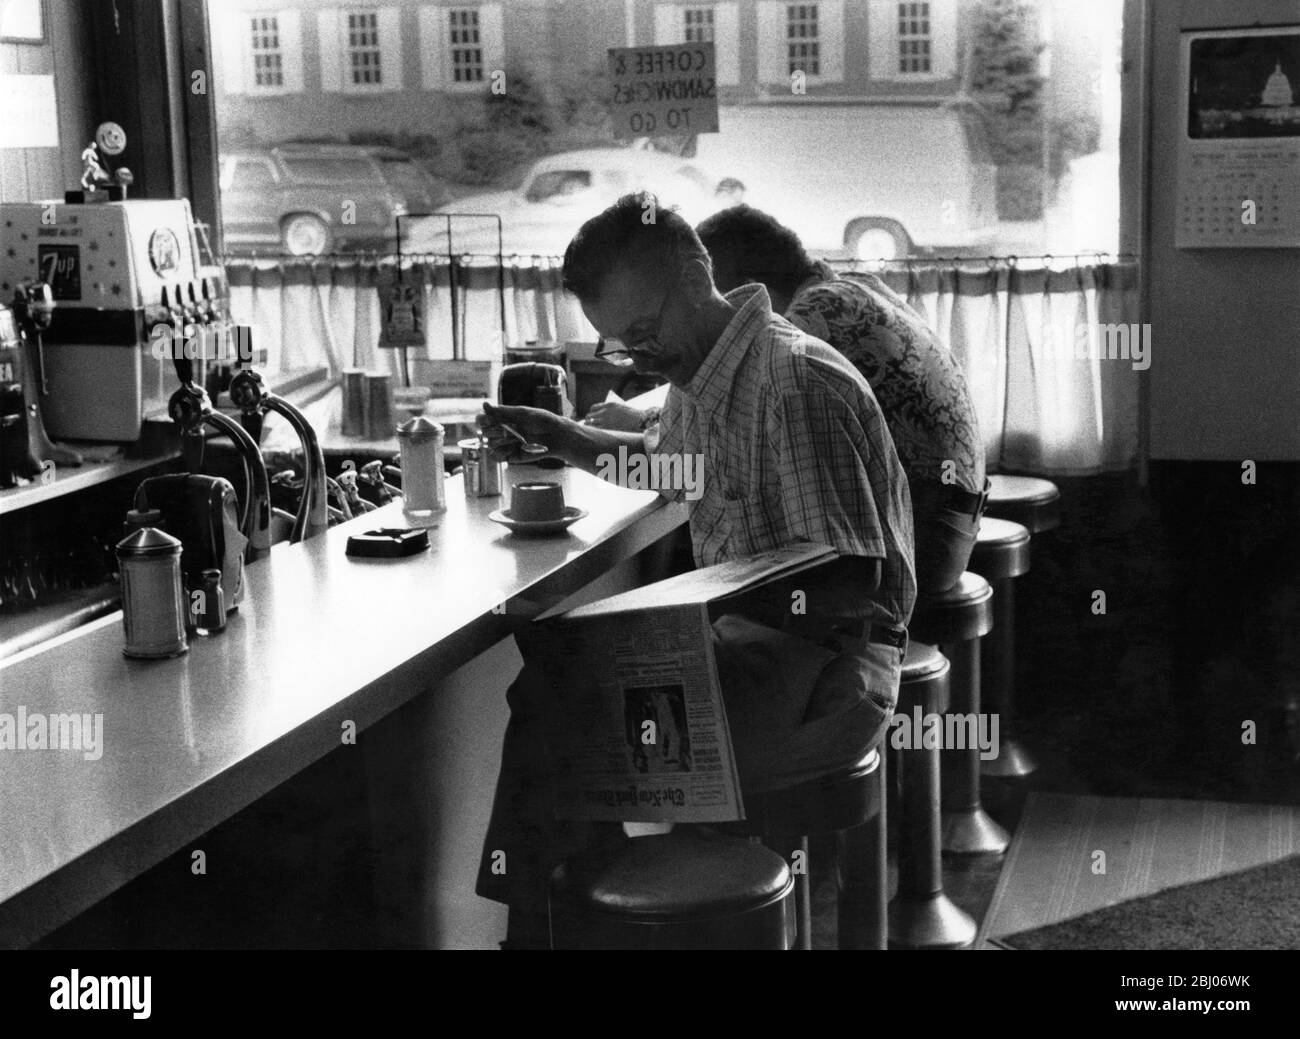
[1011, 259]
[375, 257]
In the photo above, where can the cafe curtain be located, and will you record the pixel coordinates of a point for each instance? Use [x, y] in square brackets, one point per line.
[1036, 343]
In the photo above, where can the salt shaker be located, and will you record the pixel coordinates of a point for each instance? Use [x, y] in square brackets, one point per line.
[422, 468]
[153, 604]
[482, 474]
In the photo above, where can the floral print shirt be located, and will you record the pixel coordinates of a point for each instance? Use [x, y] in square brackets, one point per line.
[916, 379]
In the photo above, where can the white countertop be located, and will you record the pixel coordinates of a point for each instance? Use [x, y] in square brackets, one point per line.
[320, 639]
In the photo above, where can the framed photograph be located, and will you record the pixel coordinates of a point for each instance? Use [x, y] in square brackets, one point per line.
[22, 21]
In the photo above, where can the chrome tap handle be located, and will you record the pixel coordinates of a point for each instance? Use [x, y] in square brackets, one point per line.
[249, 392]
[258, 519]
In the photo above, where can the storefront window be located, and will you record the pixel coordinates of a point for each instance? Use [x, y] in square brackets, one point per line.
[873, 128]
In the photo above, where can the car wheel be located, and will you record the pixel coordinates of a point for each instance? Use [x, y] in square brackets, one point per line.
[876, 240]
[305, 235]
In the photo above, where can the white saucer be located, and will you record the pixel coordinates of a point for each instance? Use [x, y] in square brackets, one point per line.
[533, 528]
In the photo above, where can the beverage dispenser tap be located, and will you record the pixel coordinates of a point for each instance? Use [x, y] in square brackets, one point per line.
[33, 311]
[191, 409]
[250, 394]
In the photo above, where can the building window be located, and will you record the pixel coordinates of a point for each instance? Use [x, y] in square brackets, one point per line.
[363, 48]
[914, 38]
[268, 59]
[466, 46]
[803, 47]
[698, 24]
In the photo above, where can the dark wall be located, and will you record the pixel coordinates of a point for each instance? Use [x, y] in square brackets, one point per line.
[1224, 379]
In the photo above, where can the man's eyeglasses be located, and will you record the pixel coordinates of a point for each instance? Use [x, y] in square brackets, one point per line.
[618, 351]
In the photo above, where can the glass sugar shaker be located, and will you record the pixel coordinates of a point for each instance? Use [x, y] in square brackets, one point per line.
[423, 474]
[153, 603]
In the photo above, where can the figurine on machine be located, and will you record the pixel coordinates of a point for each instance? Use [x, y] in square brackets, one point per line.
[110, 140]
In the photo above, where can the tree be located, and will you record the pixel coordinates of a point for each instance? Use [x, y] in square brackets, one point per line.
[1008, 93]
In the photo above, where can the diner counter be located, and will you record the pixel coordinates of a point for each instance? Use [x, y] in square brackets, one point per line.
[320, 640]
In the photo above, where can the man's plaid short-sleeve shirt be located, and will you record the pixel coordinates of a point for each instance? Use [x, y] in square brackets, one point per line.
[794, 448]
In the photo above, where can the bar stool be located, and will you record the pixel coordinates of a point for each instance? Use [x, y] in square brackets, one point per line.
[678, 890]
[1033, 503]
[851, 806]
[921, 916]
[1001, 555]
[955, 621]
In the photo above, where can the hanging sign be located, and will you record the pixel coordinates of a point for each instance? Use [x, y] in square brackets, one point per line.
[401, 310]
[663, 91]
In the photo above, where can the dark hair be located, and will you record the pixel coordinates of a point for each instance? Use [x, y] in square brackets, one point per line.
[750, 245]
[635, 231]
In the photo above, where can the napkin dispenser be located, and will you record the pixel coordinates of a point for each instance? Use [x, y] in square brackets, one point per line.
[534, 385]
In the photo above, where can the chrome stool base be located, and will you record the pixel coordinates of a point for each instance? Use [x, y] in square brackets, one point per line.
[929, 922]
[1012, 762]
[970, 831]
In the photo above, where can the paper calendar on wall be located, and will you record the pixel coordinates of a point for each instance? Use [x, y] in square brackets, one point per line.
[1239, 144]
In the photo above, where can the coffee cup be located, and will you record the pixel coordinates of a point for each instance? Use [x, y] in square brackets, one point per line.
[537, 502]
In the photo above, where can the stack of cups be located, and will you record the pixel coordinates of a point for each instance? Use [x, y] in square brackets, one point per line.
[379, 406]
[354, 402]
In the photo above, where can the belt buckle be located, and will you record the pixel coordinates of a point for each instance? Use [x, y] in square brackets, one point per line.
[983, 501]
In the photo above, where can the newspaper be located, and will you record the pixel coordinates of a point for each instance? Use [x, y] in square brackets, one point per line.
[640, 732]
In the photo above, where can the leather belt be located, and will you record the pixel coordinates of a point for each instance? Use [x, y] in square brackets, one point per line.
[868, 631]
[960, 500]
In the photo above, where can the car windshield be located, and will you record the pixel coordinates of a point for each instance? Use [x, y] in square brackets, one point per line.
[558, 183]
[695, 176]
[251, 173]
[329, 169]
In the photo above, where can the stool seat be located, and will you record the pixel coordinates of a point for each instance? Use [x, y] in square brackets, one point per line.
[963, 612]
[1033, 503]
[924, 682]
[828, 804]
[1001, 551]
[674, 876]
[683, 889]
[922, 660]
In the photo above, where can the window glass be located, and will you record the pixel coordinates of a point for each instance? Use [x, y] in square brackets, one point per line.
[363, 48]
[466, 46]
[268, 62]
[328, 169]
[697, 24]
[882, 129]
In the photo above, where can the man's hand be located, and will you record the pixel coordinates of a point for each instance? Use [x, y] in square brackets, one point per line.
[616, 415]
[538, 425]
[580, 446]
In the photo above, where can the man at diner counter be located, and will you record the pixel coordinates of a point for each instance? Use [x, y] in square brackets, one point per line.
[919, 384]
[794, 448]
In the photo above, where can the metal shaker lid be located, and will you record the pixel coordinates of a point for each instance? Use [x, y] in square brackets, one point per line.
[419, 428]
[137, 518]
[148, 541]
